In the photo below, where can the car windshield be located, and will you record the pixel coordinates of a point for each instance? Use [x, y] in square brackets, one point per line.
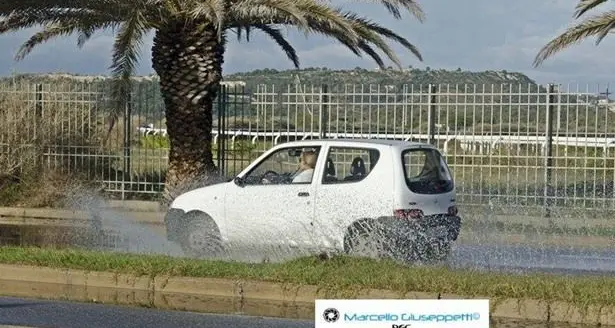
[426, 171]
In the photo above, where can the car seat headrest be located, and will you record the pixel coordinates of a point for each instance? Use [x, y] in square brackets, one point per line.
[358, 166]
[330, 167]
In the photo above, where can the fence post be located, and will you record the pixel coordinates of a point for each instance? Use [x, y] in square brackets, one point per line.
[221, 129]
[548, 188]
[431, 114]
[324, 109]
[38, 112]
[127, 143]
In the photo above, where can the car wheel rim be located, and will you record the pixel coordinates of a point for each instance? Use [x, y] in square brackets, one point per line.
[198, 240]
[435, 246]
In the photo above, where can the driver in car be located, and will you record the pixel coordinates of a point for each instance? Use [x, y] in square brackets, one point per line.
[307, 163]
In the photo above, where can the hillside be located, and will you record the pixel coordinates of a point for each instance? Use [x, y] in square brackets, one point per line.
[318, 76]
[389, 77]
[468, 102]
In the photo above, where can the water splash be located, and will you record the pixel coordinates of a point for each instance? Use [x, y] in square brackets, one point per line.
[114, 230]
[481, 248]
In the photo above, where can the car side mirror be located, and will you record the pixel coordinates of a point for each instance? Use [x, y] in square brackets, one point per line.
[239, 181]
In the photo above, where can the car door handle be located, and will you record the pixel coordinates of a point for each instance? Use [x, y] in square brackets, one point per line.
[303, 194]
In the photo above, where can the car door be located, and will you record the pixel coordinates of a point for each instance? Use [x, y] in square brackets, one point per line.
[263, 211]
[349, 190]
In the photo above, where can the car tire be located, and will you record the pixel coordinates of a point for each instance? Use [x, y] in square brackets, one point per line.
[440, 251]
[201, 237]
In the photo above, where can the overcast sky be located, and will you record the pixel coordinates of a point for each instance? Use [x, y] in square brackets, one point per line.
[471, 34]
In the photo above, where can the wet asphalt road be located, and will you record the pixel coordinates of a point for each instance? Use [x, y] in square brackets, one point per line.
[30, 313]
[525, 259]
[56, 314]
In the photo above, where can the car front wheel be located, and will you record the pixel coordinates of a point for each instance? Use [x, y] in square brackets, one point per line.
[201, 237]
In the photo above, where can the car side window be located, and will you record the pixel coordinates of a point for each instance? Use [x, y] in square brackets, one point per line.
[292, 165]
[349, 164]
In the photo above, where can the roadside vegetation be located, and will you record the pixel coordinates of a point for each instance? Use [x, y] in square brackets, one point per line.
[342, 276]
[47, 151]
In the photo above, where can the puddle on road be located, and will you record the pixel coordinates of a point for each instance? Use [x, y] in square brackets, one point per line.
[194, 303]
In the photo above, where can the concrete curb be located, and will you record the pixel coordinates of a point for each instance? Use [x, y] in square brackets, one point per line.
[62, 217]
[243, 296]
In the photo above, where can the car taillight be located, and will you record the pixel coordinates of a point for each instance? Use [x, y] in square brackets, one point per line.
[453, 210]
[408, 214]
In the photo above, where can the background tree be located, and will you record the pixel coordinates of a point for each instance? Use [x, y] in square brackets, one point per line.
[599, 25]
[188, 51]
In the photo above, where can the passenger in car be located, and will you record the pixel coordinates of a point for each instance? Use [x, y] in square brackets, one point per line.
[307, 163]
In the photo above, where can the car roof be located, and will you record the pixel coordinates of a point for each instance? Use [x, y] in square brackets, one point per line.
[381, 142]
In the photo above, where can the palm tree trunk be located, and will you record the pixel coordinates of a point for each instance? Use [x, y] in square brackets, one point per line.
[188, 61]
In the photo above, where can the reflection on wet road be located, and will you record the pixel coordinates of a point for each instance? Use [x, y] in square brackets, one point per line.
[533, 258]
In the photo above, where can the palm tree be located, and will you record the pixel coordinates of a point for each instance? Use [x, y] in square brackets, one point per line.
[188, 51]
[598, 25]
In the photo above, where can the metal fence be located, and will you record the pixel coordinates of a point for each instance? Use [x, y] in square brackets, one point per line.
[508, 145]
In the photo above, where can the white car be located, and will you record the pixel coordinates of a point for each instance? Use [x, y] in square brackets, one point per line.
[396, 198]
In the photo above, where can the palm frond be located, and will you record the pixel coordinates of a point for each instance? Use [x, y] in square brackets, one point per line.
[356, 33]
[277, 36]
[174, 6]
[211, 11]
[126, 53]
[306, 15]
[372, 32]
[599, 26]
[240, 32]
[56, 30]
[50, 32]
[84, 36]
[586, 5]
[394, 7]
[372, 53]
[19, 20]
[115, 7]
[363, 44]
[246, 12]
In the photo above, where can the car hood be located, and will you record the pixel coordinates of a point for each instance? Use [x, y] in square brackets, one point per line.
[194, 198]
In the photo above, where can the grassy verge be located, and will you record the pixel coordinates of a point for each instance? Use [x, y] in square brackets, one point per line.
[341, 275]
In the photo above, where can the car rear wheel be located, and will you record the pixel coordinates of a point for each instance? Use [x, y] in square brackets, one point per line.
[201, 237]
[439, 250]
